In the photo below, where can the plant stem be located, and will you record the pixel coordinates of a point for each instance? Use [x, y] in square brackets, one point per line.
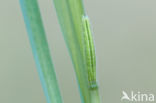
[40, 50]
[95, 98]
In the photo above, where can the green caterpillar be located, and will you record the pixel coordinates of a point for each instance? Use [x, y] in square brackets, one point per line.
[90, 56]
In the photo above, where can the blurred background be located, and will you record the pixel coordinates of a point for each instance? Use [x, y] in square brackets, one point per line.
[125, 38]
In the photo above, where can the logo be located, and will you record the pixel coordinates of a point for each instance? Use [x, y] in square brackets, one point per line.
[137, 97]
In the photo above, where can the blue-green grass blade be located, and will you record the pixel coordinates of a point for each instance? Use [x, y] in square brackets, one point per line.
[40, 50]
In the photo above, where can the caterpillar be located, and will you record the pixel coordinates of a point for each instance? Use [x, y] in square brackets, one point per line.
[89, 55]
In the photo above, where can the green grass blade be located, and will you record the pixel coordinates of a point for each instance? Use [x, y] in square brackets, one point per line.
[40, 49]
[77, 33]
[70, 13]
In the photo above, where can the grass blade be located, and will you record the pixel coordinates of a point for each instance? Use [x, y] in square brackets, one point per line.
[75, 27]
[40, 49]
[70, 13]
